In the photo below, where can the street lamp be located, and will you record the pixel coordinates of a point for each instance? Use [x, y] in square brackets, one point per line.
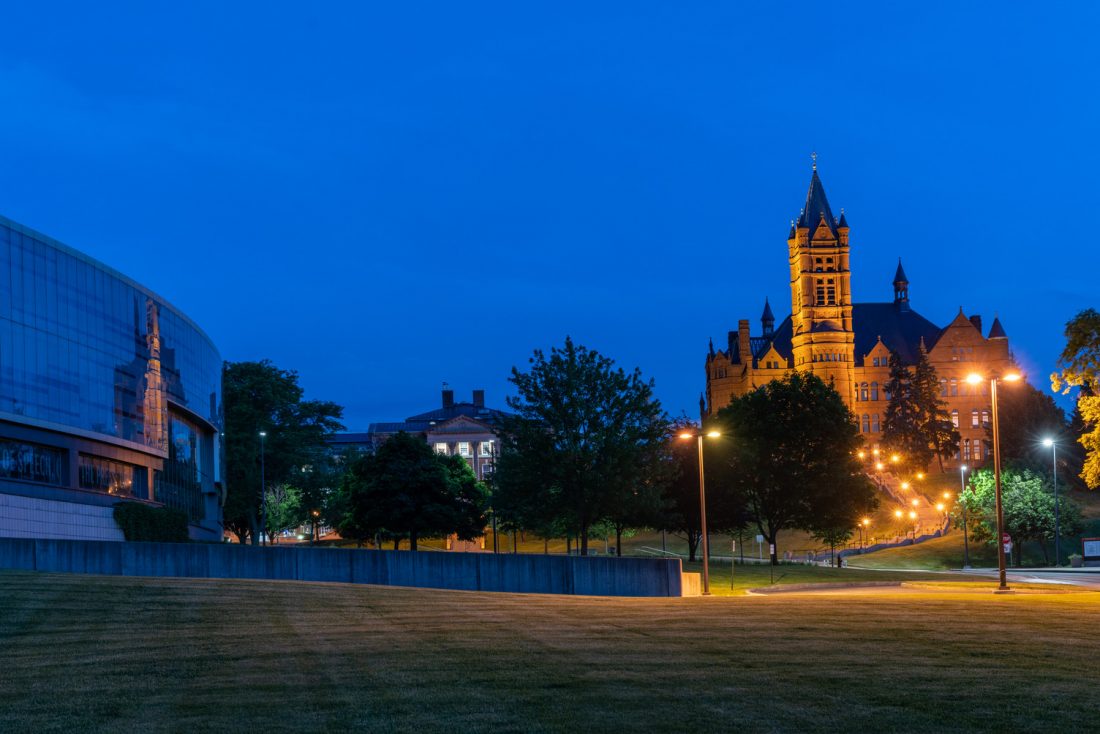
[703, 505]
[313, 536]
[263, 491]
[974, 379]
[862, 524]
[1054, 478]
[962, 490]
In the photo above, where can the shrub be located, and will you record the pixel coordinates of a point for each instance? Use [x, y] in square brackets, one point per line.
[141, 522]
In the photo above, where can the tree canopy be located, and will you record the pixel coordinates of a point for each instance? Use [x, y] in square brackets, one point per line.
[793, 447]
[1028, 503]
[404, 490]
[1079, 366]
[917, 424]
[258, 396]
[585, 438]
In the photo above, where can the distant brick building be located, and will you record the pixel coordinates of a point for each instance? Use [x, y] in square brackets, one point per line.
[463, 429]
[849, 343]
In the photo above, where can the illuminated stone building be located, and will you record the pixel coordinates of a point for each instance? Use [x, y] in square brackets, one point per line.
[848, 344]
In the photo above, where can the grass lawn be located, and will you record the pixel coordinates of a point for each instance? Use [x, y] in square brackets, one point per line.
[120, 654]
[751, 576]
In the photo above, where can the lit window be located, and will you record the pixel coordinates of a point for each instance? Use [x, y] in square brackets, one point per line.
[874, 391]
[874, 423]
[463, 448]
[441, 448]
[485, 448]
[985, 417]
[955, 418]
[974, 418]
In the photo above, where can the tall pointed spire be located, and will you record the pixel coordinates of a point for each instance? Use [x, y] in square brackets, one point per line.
[817, 207]
[997, 331]
[901, 287]
[767, 319]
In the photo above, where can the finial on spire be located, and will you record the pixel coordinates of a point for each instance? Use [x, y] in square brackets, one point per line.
[814, 157]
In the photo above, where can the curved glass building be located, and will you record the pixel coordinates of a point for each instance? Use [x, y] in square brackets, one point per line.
[107, 393]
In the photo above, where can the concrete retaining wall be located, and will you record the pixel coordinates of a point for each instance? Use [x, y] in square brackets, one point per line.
[535, 574]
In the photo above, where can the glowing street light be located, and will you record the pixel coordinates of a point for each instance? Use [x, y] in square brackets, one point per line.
[912, 515]
[898, 514]
[974, 378]
[865, 522]
[880, 466]
[941, 506]
[915, 502]
[895, 459]
[920, 475]
[703, 505]
[861, 454]
[905, 485]
[1054, 478]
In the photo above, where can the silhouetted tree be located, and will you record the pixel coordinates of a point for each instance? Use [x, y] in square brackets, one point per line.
[258, 396]
[793, 445]
[584, 435]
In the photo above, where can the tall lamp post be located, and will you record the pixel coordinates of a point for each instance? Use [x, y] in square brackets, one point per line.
[975, 379]
[862, 524]
[1054, 478]
[703, 505]
[966, 541]
[263, 492]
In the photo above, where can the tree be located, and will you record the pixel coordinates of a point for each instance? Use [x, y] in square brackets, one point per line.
[904, 425]
[1079, 366]
[1027, 416]
[584, 436]
[1028, 505]
[284, 508]
[934, 422]
[406, 490]
[259, 396]
[793, 447]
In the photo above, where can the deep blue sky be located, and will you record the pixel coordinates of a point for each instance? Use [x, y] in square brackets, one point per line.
[387, 196]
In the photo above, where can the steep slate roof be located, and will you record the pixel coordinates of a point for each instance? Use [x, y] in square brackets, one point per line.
[901, 331]
[997, 331]
[467, 409]
[816, 205]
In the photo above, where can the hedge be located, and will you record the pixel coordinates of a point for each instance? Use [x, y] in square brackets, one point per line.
[141, 522]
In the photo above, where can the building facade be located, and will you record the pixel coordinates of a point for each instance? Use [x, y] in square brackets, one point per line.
[849, 344]
[107, 393]
[455, 428]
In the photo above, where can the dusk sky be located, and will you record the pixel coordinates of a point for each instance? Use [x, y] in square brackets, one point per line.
[387, 196]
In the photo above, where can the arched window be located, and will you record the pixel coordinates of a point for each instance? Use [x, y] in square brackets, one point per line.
[974, 418]
[866, 423]
[863, 391]
[874, 423]
[943, 388]
[985, 417]
[954, 387]
[955, 418]
[874, 391]
[966, 449]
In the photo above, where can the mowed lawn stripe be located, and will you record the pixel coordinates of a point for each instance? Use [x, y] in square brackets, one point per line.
[122, 654]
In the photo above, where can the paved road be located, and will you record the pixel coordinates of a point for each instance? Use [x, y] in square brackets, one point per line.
[1083, 577]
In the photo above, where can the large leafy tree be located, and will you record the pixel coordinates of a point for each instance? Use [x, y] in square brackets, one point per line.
[934, 421]
[903, 428]
[679, 512]
[258, 396]
[406, 490]
[1027, 416]
[583, 437]
[1028, 503]
[1079, 366]
[793, 447]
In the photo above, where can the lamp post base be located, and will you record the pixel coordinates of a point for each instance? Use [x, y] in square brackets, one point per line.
[1005, 590]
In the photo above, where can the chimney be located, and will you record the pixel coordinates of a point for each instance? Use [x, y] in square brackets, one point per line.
[977, 321]
[743, 342]
[479, 398]
[448, 398]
